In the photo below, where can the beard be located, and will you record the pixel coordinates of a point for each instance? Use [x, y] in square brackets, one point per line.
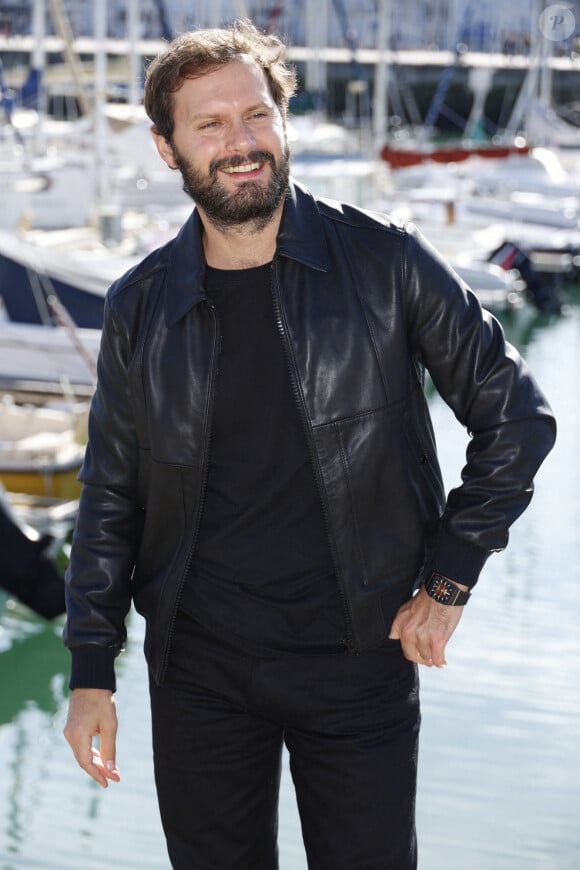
[251, 203]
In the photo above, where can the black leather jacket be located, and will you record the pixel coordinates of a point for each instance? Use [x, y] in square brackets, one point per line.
[364, 306]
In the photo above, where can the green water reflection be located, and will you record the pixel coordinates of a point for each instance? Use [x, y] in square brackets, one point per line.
[33, 658]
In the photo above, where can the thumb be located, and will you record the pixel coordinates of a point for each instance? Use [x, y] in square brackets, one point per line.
[394, 633]
[401, 619]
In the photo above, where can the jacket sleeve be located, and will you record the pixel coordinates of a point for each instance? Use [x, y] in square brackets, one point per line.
[491, 392]
[109, 522]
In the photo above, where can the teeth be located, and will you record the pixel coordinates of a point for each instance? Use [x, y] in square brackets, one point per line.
[249, 167]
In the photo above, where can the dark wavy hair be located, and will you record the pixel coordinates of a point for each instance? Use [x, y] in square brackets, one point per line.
[196, 52]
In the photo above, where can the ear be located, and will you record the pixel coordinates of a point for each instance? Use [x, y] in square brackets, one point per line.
[164, 148]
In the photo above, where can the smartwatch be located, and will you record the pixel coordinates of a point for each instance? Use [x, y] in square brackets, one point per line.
[445, 591]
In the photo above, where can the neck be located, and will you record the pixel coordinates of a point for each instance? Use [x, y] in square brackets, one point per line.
[242, 246]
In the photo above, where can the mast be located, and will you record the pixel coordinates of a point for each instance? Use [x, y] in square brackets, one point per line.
[316, 36]
[167, 31]
[38, 32]
[134, 59]
[63, 28]
[381, 89]
[39, 64]
[107, 213]
[529, 88]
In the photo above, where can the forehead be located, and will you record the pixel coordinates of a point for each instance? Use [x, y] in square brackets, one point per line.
[235, 83]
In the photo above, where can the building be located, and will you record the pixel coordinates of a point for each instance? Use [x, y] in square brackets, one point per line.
[329, 40]
[482, 25]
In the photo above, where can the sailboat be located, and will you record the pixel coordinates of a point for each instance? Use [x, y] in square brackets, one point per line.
[79, 257]
[532, 122]
[41, 449]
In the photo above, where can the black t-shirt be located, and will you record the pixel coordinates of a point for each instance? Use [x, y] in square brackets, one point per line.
[262, 569]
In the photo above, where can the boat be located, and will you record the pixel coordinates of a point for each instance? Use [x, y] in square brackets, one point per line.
[403, 156]
[44, 192]
[41, 449]
[31, 272]
[524, 209]
[43, 183]
[42, 363]
[75, 265]
[499, 290]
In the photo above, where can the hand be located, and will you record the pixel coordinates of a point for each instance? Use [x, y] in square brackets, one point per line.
[91, 713]
[424, 626]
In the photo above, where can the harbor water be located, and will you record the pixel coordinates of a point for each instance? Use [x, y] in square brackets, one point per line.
[499, 782]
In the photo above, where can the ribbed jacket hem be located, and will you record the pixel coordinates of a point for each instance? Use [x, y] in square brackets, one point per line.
[93, 667]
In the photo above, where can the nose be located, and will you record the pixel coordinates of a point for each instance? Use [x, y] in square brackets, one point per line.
[240, 136]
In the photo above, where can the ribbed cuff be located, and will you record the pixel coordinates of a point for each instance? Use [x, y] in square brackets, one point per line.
[458, 560]
[93, 667]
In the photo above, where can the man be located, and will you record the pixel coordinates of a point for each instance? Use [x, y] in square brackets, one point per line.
[261, 480]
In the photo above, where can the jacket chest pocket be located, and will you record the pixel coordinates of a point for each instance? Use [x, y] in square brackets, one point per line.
[177, 386]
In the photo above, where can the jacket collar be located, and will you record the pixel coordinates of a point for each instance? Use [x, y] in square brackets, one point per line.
[301, 238]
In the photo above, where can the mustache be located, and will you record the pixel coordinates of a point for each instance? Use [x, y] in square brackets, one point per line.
[241, 159]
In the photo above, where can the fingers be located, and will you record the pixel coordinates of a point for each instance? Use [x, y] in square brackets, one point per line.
[422, 654]
[429, 647]
[93, 765]
[107, 756]
[425, 644]
[420, 648]
[100, 770]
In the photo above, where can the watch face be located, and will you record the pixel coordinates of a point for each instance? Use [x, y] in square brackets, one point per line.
[441, 589]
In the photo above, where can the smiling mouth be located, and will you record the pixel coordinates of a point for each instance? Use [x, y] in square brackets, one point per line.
[243, 164]
[246, 167]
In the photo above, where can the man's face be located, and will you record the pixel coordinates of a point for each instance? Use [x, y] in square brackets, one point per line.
[230, 145]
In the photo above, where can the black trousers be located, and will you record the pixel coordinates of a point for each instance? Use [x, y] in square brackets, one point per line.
[350, 723]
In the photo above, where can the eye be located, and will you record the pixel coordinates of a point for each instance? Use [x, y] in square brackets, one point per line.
[208, 125]
[259, 114]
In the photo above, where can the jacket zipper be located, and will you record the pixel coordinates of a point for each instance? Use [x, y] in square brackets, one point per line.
[347, 640]
[205, 474]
